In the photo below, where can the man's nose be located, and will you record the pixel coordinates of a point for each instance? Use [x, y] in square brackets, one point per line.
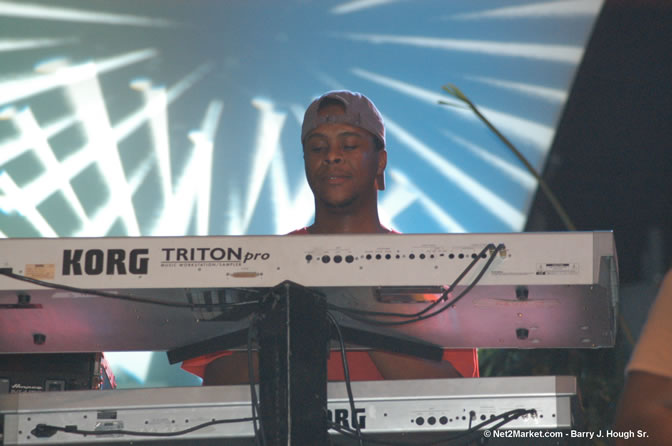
[333, 155]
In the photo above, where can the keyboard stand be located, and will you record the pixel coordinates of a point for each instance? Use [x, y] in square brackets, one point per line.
[293, 335]
[292, 330]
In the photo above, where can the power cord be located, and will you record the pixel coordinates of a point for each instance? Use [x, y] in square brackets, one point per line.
[354, 313]
[346, 373]
[126, 297]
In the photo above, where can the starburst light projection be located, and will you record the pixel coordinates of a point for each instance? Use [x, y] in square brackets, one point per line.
[182, 117]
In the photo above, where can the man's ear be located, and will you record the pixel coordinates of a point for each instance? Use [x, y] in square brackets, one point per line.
[382, 163]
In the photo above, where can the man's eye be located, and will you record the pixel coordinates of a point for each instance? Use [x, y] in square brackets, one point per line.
[316, 149]
[349, 147]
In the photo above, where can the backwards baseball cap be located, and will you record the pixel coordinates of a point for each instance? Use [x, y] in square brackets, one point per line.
[359, 112]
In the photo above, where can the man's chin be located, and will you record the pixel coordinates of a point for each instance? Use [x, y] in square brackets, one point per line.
[339, 205]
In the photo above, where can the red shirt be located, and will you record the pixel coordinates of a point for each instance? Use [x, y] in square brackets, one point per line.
[360, 364]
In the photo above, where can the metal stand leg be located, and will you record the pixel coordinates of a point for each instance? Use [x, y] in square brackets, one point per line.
[293, 335]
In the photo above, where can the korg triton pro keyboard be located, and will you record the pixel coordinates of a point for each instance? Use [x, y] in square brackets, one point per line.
[439, 407]
[541, 290]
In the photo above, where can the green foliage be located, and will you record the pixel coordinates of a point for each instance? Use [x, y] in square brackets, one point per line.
[599, 373]
[457, 94]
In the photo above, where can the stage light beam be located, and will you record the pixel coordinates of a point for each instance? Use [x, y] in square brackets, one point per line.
[548, 94]
[538, 134]
[88, 102]
[24, 206]
[204, 182]
[358, 5]
[54, 13]
[571, 8]
[190, 190]
[36, 138]
[403, 192]
[29, 44]
[136, 119]
[513, 218]
[568, 54]
[156, 107]
[23, 87]
[289, 213]
[513, 172]
[268, 136]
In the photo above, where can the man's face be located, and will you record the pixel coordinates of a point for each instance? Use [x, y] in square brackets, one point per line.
[342, 162]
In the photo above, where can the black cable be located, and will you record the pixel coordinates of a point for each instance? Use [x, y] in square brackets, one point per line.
[506, 417]
[368, 439]
[347, 312]
[346, 376]
[128, 297]
[444, 294]
[259, 434]
[73, 429]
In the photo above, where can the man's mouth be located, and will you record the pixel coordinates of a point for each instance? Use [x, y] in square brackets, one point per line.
[336, 178]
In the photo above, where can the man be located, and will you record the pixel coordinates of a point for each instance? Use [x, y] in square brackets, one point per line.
[645, 408]
[345, 158]
[344, 154]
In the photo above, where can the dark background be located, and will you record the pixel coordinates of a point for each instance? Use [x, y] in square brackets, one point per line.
[610, 167]
[611, 159]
